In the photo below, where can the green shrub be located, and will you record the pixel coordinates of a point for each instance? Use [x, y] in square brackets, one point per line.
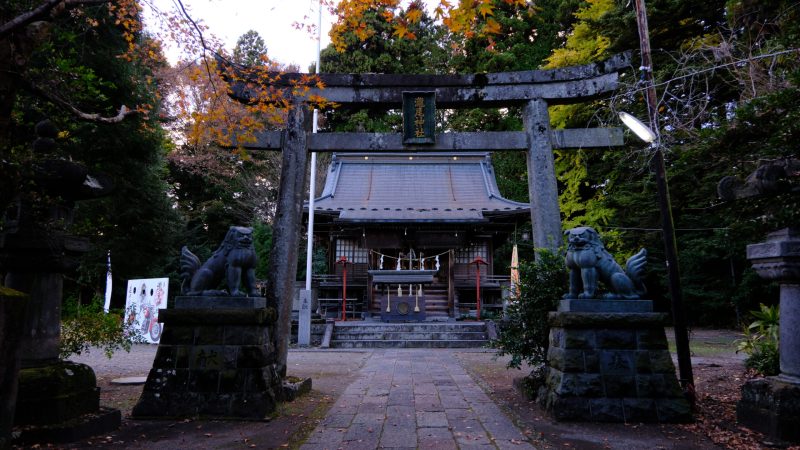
[760, 341]
[525, 333]
[86, 326]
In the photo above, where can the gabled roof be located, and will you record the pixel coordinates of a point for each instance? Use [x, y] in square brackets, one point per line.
[414, 187]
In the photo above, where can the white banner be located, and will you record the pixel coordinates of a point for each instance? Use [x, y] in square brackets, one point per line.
[107, 303]
[144, 298]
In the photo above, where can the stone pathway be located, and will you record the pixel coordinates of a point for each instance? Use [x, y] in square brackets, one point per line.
[415, 399]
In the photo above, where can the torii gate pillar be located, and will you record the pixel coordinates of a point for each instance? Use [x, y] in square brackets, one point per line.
[542, 186]
[286, 228]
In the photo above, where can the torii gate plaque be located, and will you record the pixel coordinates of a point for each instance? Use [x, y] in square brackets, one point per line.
[532, 90]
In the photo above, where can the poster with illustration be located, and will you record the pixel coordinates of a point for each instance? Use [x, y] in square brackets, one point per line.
[144, 299]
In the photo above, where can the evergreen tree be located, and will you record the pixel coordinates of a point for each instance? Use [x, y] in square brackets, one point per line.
[250, 49]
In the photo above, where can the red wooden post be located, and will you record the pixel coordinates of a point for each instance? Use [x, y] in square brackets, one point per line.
[478, 261]
[343, 261]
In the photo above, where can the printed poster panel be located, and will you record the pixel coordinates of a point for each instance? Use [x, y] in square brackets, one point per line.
[144, 299]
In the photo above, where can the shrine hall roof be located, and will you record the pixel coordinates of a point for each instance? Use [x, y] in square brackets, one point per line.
[414, 187]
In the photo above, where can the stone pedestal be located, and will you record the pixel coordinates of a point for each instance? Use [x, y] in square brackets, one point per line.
[56, 393]
[12, 312]
[611, 367]
[56, 401]
[213, 363]
[772, 405]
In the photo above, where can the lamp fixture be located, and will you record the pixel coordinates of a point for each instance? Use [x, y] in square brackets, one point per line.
[640, 129]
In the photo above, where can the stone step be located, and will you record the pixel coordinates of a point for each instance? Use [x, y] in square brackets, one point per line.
[408, 344]
[411, 336]
[349, 327]
[436, 307]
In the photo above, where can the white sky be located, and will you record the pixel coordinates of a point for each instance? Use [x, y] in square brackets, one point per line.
[272, 19]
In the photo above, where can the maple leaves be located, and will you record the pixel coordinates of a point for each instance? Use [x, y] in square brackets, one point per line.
[350, 16]
[470, 18]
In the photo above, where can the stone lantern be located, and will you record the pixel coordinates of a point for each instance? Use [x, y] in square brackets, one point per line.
[56, 400]
[772, 404]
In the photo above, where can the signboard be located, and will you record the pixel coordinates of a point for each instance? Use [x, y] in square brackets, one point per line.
[419, 118]
[143, 300]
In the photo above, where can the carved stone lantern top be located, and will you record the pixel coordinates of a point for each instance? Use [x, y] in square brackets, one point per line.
[778, 258]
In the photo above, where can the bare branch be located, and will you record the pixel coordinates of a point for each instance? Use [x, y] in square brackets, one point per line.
[121, 115]
[123, 112]
[42, 11]
[202, 41]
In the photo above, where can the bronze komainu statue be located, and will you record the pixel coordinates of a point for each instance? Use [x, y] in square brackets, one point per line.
[235, 260]
[589, 262]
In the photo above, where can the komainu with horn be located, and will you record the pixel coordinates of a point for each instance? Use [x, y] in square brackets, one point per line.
[589, 262]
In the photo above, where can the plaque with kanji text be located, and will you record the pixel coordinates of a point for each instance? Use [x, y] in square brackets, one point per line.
[419, 118]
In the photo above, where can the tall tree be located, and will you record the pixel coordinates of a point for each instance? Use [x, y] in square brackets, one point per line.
[250, 49]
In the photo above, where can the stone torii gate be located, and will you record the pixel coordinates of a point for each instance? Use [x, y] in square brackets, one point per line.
[532, 90]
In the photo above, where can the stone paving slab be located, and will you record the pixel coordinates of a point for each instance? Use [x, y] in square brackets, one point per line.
[415, 399]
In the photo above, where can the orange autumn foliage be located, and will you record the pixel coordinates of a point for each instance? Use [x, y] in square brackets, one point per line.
[467, 17]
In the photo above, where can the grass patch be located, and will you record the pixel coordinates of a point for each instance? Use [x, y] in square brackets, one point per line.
[709, 343]
[312, 407]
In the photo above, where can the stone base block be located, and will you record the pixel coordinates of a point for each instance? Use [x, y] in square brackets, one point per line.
[12, 318]
[602, 305]
[56, 393]
[213, 363]
[198, 302]
[611, 367]
[293, 388]
[60, 403]
[771, 406]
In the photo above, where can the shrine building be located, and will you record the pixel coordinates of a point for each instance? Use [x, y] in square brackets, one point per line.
[411, 230]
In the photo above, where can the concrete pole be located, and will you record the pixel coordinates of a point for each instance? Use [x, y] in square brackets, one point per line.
[542, 186]
[667, 222]
[286, 230]
[304, 315]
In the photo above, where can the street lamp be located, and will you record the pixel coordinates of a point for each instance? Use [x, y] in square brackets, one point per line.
[640, 129]
[646, 134]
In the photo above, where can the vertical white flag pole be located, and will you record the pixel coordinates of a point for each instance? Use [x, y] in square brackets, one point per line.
[107, 303]
[304, 316]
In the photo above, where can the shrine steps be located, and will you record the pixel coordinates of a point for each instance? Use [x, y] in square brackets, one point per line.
[366, 334]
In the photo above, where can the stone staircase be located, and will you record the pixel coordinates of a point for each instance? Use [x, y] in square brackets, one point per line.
[366, 334]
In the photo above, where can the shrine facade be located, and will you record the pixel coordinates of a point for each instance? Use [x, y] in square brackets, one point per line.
[412, 231]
